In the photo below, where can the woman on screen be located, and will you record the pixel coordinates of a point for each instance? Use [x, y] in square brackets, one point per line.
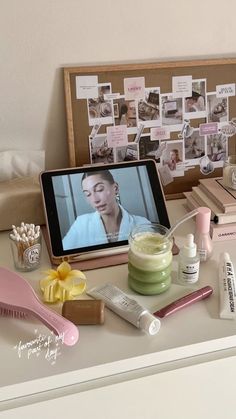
[110, 222]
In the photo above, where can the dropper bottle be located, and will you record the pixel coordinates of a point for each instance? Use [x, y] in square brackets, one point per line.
[202, 233]
[189, 262]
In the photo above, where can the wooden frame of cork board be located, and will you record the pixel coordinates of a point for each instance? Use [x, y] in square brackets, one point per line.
[202, 143]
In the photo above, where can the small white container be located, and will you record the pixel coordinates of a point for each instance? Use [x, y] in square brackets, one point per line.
[189, 262]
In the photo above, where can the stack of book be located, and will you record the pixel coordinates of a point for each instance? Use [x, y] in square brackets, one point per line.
[213, 194]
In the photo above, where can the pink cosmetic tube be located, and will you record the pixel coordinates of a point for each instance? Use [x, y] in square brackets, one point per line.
[185, 301]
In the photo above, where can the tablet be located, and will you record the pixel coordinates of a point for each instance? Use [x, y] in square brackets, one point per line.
[91, 210]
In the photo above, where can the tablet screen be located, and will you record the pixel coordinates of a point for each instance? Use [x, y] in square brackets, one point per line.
[96, 207]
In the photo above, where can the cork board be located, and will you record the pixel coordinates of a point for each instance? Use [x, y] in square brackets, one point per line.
[169, 89]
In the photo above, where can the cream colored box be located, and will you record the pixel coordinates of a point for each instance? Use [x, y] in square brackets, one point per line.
[20, 200]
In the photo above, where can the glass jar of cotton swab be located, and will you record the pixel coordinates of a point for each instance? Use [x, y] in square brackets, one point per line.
[26, 247]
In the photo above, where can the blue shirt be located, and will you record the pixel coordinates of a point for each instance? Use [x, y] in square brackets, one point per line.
[88, 229]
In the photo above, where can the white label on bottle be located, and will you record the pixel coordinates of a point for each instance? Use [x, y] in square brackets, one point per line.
[189, 273]
[202, 254]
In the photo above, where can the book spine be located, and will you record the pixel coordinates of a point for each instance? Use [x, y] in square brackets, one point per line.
[223, 232]
[225, 218]
[189, 206]
[193, 202]
[222, 196]
[198, 199]
[190, 201]
[202, 203]
[211, 196]
[229, 209]
[206, 199]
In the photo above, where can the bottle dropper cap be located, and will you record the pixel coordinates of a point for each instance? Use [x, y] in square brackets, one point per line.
[203, 219]
[190, 248]
[149, 323]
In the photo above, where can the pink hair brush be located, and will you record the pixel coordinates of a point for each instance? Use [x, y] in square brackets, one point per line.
[18, 298]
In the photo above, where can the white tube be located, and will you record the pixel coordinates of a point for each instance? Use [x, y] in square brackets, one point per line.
[125, 307]
[227, 288]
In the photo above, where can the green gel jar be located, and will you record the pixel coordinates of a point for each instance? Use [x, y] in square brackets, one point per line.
[150, 259]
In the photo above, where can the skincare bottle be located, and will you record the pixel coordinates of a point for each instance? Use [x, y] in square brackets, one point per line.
[189, 262]
[202, 233]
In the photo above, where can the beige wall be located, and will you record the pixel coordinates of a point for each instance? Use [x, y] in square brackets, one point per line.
[38, 37]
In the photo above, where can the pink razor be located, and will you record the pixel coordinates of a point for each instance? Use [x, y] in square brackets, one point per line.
[17, 298]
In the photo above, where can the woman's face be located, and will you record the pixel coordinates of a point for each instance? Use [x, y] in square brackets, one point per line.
[190, 101]
[100, 194]
[173, 155]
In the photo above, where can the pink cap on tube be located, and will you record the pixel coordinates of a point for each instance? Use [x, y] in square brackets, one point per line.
[203, 219]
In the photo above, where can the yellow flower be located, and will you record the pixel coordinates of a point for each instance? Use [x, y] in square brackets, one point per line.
[62, 284]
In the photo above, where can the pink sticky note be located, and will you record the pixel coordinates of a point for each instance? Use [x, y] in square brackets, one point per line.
[160, 133]
[208, 128]
[134, 88]
[117, 136]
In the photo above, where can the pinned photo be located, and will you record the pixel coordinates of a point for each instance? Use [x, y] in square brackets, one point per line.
[173, 157]
[172, 111]
[148, 109]
[195, 105]
[116, 110]
[206, 165]
[100, 111]
[125, 113]
[99, 150]
[128, 153]
[217, 146]
[186, 131]
[217, 108]
[194, 147]
[148, 149]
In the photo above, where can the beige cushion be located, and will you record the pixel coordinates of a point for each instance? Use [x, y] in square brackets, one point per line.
[21, 163]
[20, 200]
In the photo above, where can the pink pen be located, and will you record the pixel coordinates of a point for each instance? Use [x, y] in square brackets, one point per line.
[182, 302]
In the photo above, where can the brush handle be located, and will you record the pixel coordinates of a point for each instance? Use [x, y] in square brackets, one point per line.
[16, 294]
[55, 322]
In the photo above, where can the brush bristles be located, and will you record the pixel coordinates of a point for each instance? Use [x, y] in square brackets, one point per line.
[12, 313]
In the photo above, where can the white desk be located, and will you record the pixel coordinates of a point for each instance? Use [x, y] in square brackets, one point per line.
[115, 364]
